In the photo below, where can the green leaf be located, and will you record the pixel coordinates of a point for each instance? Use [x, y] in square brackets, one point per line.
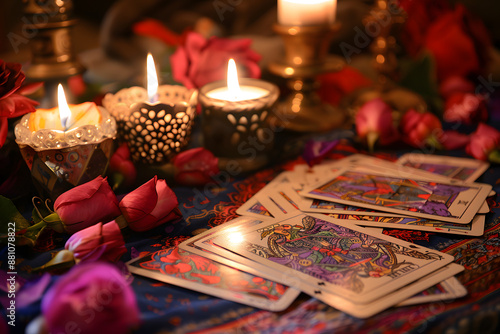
[10, 214]
[11, 218]
[63, 260]
[419, 76]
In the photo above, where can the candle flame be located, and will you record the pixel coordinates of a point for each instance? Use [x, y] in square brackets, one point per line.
[64, 111]
[152, 79]
[233, 86]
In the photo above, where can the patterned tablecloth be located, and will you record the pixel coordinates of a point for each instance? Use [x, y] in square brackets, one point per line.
[169, 309]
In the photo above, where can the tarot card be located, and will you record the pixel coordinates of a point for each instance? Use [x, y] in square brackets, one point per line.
[391, 299]
[365, 161]
[463, 169]
[254, 208]
[203, 249]
[192, 271]
[404, 195]
[204, 245]
[448, 289]
[261, 205]
[334, 257]
[475, 228]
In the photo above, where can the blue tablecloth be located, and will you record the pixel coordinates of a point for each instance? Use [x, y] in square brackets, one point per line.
[170, 309]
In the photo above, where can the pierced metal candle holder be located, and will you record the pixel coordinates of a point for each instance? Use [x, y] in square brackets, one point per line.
[238, 132]
[306, 56]
[60, 160]
[155, 132]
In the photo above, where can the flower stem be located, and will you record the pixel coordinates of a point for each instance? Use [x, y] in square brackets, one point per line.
[494, 156]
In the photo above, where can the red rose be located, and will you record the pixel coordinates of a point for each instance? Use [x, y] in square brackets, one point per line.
[121, 164]
[466, 108]
[459, 43]
[12, 103]
[452, 140]
[420, 16]
[150, 205]
[86, 205]
[102, 242]
[484, 143]
[195, 167]
[455, 84]
[374, 123]
[335, 85]
[420, 129]
[201, 61]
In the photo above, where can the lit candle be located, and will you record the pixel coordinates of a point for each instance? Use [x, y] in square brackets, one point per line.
[65, 117]
[306, 12]
[233, 91]
[152, 80]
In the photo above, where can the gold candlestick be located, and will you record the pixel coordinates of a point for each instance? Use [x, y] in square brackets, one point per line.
[306, 56]
[385, 63]
[52, 51]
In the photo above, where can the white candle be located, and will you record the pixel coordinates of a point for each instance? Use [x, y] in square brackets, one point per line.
[152, 79]
[233, 91]
[306, 12]
[247, 93]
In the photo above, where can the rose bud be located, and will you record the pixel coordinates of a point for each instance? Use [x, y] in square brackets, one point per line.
[455, 84]
[86, 205]
[374, 123]
[97, 242]
[150, 205]
[466, 108]
[421, 129]
[195, 167]
[121, 166]
[485, 144]
[92, 297]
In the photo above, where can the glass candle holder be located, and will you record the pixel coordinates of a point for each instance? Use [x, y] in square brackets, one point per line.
[238, 131]
[155, 132]
[59, 160]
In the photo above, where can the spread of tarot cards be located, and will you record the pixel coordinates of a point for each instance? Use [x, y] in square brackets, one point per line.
[315, 230]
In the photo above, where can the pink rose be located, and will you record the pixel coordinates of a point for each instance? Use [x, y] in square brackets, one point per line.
[122, 165]
[150, 205]
[91, 298]
[195, 167]
[374, 123]
[86, 205]
[97, 242]
[201, 61]
[484, 143]
[466, 108]
[420, 129]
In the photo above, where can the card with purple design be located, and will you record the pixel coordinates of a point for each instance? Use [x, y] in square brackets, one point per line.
[475, 228]
[449, 289]
[463, 169]
[330, 256]
[403, 194]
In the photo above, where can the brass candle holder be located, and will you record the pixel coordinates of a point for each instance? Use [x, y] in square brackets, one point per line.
[306, 56]
[384, 50]
[52, 51]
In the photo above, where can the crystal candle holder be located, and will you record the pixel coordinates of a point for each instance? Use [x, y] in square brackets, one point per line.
[59, 160]
[155, 132]
[238, 131]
